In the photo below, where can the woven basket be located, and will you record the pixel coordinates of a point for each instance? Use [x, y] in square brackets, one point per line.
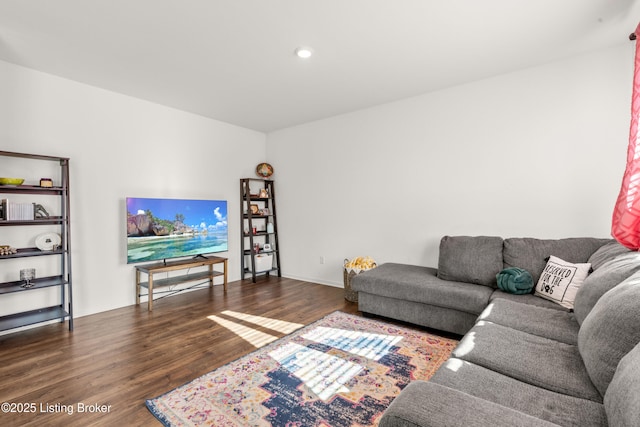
[349, 293]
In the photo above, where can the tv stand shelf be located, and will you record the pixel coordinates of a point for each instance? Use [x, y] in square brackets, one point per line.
[165, 267]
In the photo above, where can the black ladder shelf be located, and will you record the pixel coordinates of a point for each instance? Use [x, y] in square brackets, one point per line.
[260, 249]
[57, 193]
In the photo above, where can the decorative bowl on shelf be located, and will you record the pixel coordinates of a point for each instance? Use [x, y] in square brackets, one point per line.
[11, 181]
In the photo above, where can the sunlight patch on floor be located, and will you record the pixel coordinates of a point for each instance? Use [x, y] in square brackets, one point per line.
[252, 336]
[323, 373]
[266, 322]
[372, 346]
[326, 374]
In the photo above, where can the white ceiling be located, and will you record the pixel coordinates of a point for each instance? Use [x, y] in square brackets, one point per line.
[232, 60]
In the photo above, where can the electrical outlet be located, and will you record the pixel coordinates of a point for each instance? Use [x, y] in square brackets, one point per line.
[321, 259]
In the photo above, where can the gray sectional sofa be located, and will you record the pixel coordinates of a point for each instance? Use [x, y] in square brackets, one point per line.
[523, 360]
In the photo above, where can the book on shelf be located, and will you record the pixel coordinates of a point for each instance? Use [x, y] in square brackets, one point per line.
[16, 211]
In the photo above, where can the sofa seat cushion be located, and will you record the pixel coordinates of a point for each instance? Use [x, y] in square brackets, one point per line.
[420, 284]
[622, 400]
[428, 404]
[529, 299]
[543, 322]
[535, 360]
[531, 254]
[430, 316]
[610, 331]
[536, 401]
[609, 274]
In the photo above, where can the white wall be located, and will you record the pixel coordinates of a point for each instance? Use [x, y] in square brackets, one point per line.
[536, 153]
[119, 146]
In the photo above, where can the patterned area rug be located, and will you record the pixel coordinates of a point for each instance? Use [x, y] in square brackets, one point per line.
[340, 371]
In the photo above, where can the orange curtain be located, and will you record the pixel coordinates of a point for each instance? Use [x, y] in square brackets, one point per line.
[625, 227]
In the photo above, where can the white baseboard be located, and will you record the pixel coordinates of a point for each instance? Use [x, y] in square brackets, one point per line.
[315, 280]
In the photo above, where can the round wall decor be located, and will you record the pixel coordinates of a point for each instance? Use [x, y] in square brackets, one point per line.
[264, 170]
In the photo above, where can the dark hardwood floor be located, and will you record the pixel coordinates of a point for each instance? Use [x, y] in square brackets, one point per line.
[119, 358]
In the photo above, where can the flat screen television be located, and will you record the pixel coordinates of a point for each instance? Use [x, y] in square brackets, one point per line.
[159, 229]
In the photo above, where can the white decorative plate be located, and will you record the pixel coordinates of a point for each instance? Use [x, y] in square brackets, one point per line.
[48, 241]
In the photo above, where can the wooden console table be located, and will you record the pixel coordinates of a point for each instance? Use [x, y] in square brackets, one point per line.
[163, 267]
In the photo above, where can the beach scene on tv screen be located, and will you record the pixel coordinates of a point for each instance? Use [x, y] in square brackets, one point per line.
[170, 228]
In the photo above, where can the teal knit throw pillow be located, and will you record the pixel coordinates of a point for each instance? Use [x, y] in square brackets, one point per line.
[515, 280]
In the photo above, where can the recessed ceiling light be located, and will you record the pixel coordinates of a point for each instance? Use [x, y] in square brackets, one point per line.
[304, 52]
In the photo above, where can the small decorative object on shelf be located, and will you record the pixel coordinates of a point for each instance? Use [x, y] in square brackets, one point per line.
[40, 211]
[48, 241]
[264, 170]
[264, 193]
[26, 276]
[7, 250]
[351, 269]
[46, 182]
[11, 181]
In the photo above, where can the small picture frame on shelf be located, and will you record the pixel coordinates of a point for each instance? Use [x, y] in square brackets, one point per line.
[265, 211]
[254, 209]
[266, 247]
[264, 193]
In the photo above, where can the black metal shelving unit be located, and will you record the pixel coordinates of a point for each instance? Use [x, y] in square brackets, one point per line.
[260, 248]
[62, 279]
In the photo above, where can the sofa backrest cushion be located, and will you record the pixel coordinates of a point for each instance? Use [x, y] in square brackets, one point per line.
[607, 252]
[532, 254]
[607, 276]
[610, 331]
[621, 402]
[471, 259]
